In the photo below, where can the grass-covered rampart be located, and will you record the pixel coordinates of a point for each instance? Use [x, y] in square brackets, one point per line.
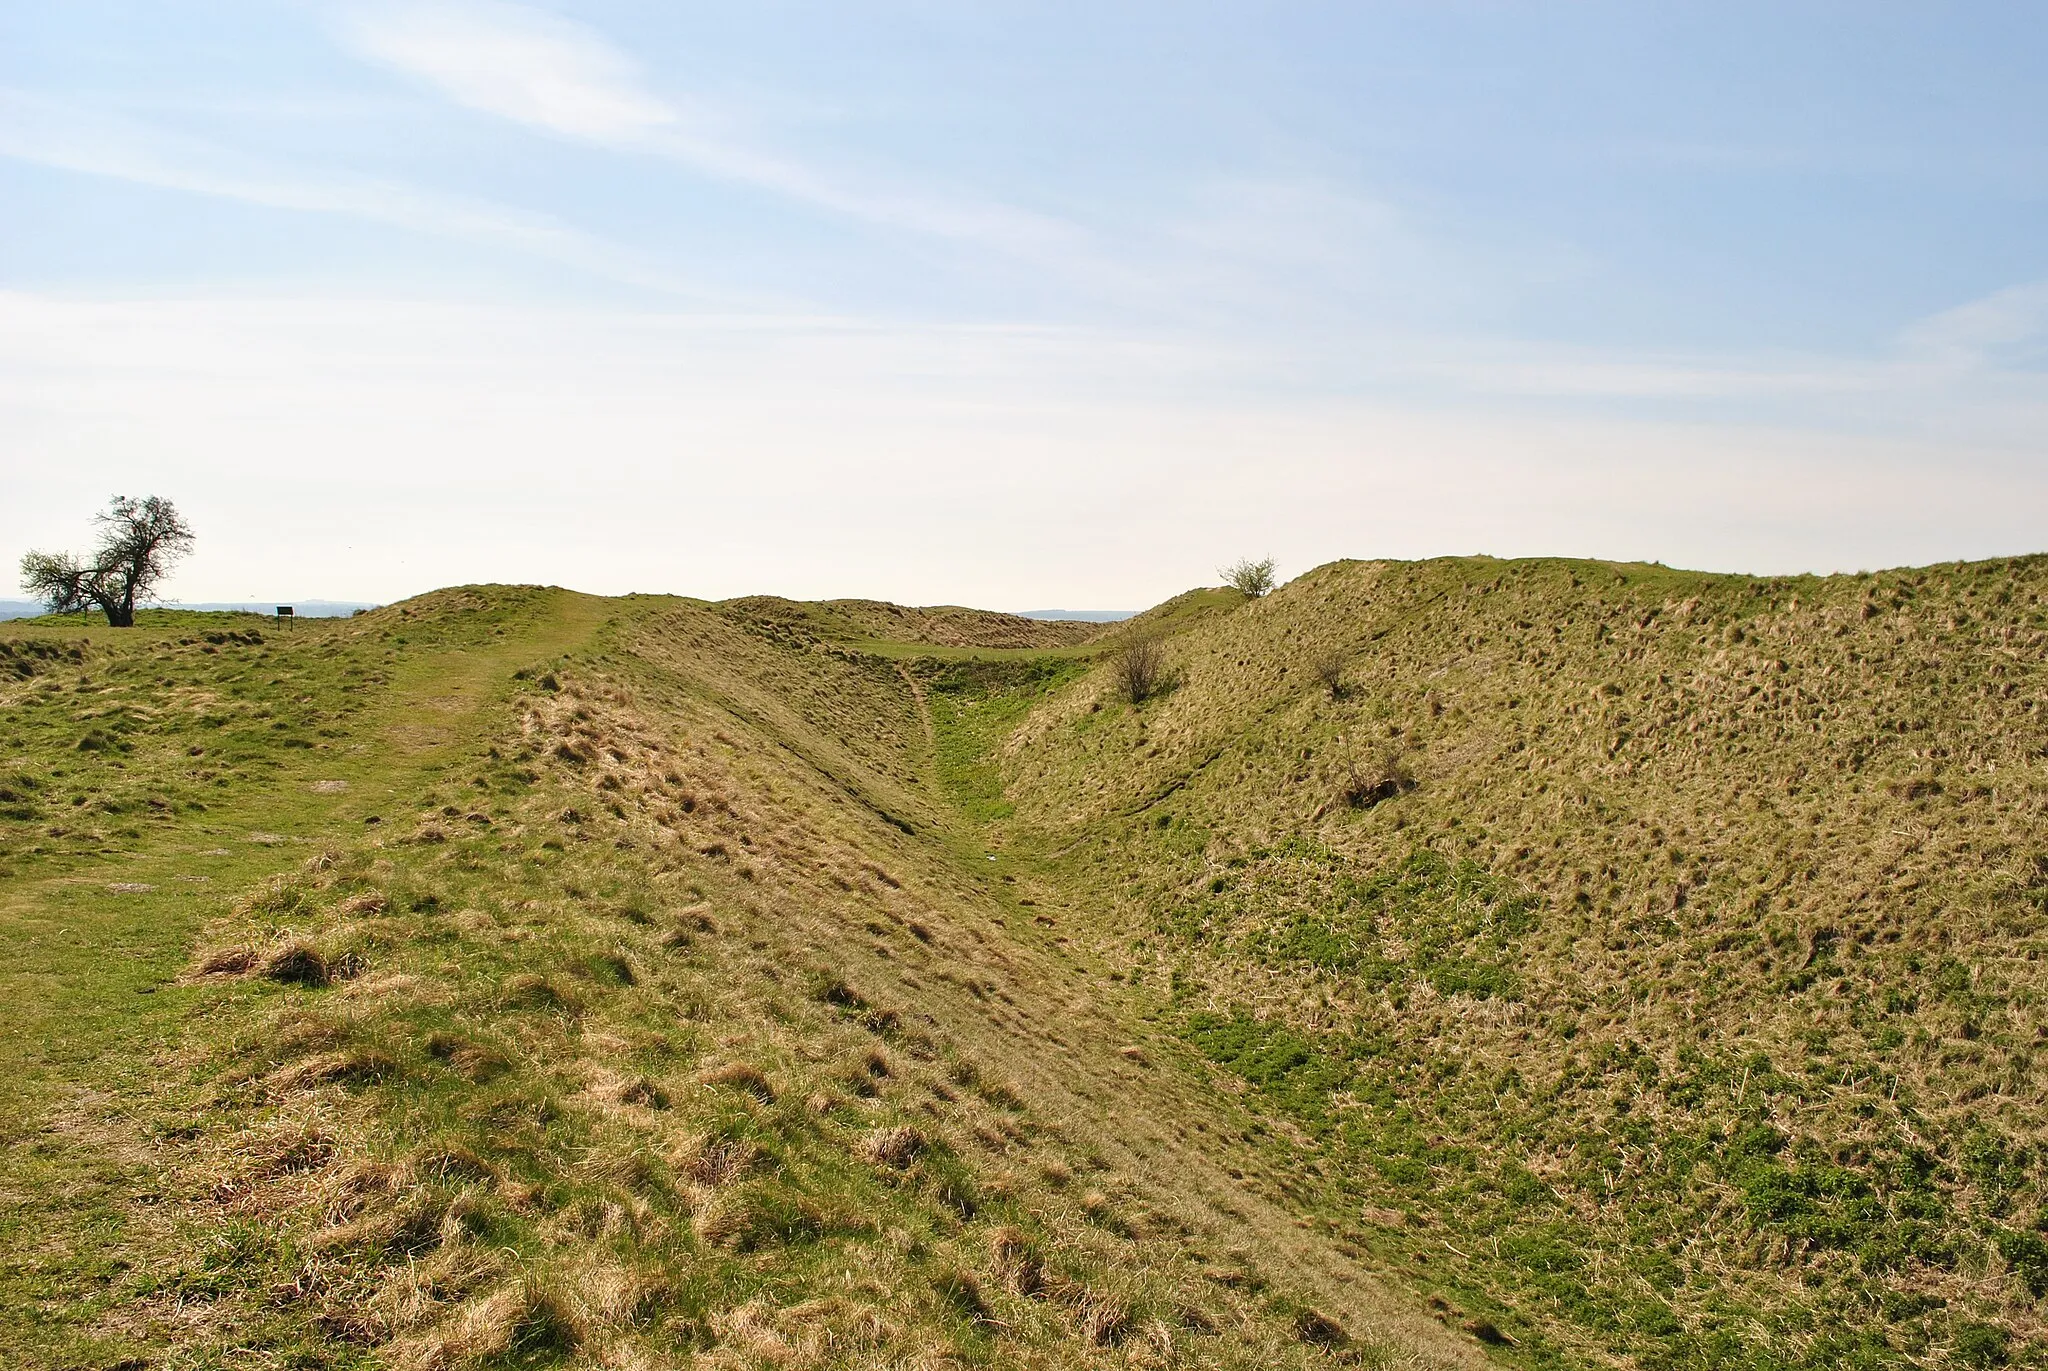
[511, 978]
[1687, 1005]
[1556, 963]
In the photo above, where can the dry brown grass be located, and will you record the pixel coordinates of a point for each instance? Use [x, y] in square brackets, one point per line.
[225, 961]
[894, 1147]
[297, 963]
[712, 1158]
[759, 800]
[743, 1077]
[351, 1066]
[1759, 816]
[523, 1318]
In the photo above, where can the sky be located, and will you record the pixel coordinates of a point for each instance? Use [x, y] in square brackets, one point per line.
[1020, 305]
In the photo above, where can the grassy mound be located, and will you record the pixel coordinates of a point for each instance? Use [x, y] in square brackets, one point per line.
[509, 978]
[1644, 963]
[1549, 963]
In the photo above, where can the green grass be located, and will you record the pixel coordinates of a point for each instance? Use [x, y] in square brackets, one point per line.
[1684, 1012]
[1687, 1008]
[510, 978]
[120, 852]
[973, 708]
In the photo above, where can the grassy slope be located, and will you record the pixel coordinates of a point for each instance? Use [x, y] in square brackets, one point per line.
[1682, 1011]
[532, 979]
[143, 776]
[1687, 1007]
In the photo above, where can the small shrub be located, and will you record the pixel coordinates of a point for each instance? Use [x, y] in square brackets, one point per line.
[1329, 670]
[1140, 667]
[1983, 1344]
[1253, 578]
[1369, 783]
[2027, 1256]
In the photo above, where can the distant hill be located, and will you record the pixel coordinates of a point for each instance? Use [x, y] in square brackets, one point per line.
[304, 609]
[1086, 616]
[856, 621]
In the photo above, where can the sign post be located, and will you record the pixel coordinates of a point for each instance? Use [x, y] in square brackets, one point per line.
[284, 614]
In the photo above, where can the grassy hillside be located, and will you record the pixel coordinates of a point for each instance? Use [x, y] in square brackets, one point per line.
[1647, 963]
[511, 978]
[1541, 963]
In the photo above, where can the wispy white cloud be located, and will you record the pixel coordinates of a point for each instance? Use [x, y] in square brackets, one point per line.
[1979, 368]
[566, 79]
[71, 137]
[514, 62]
[1249, 244]
[1984, 331]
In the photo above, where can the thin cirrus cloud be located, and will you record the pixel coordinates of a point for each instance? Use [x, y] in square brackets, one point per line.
[514, 62]
[1951, 354]
[564, 79]
[75, 138]
[561, 77]
[1994, 328]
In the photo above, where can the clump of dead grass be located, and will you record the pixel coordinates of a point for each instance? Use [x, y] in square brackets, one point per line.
[297, 963]
[895, 1148]
[474, 1062]
[714, 1157]
[225, 961]
[1016, 1262]
[529, 1320]
[357, 1066]
[743, 1077]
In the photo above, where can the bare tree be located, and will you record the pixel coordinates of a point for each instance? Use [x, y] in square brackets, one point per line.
[1385, 775]
[1253, 578]
[1329, 669]
[1140, 669]
[140, 541]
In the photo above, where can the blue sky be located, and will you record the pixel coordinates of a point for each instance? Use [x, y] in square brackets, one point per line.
[1020, 304]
